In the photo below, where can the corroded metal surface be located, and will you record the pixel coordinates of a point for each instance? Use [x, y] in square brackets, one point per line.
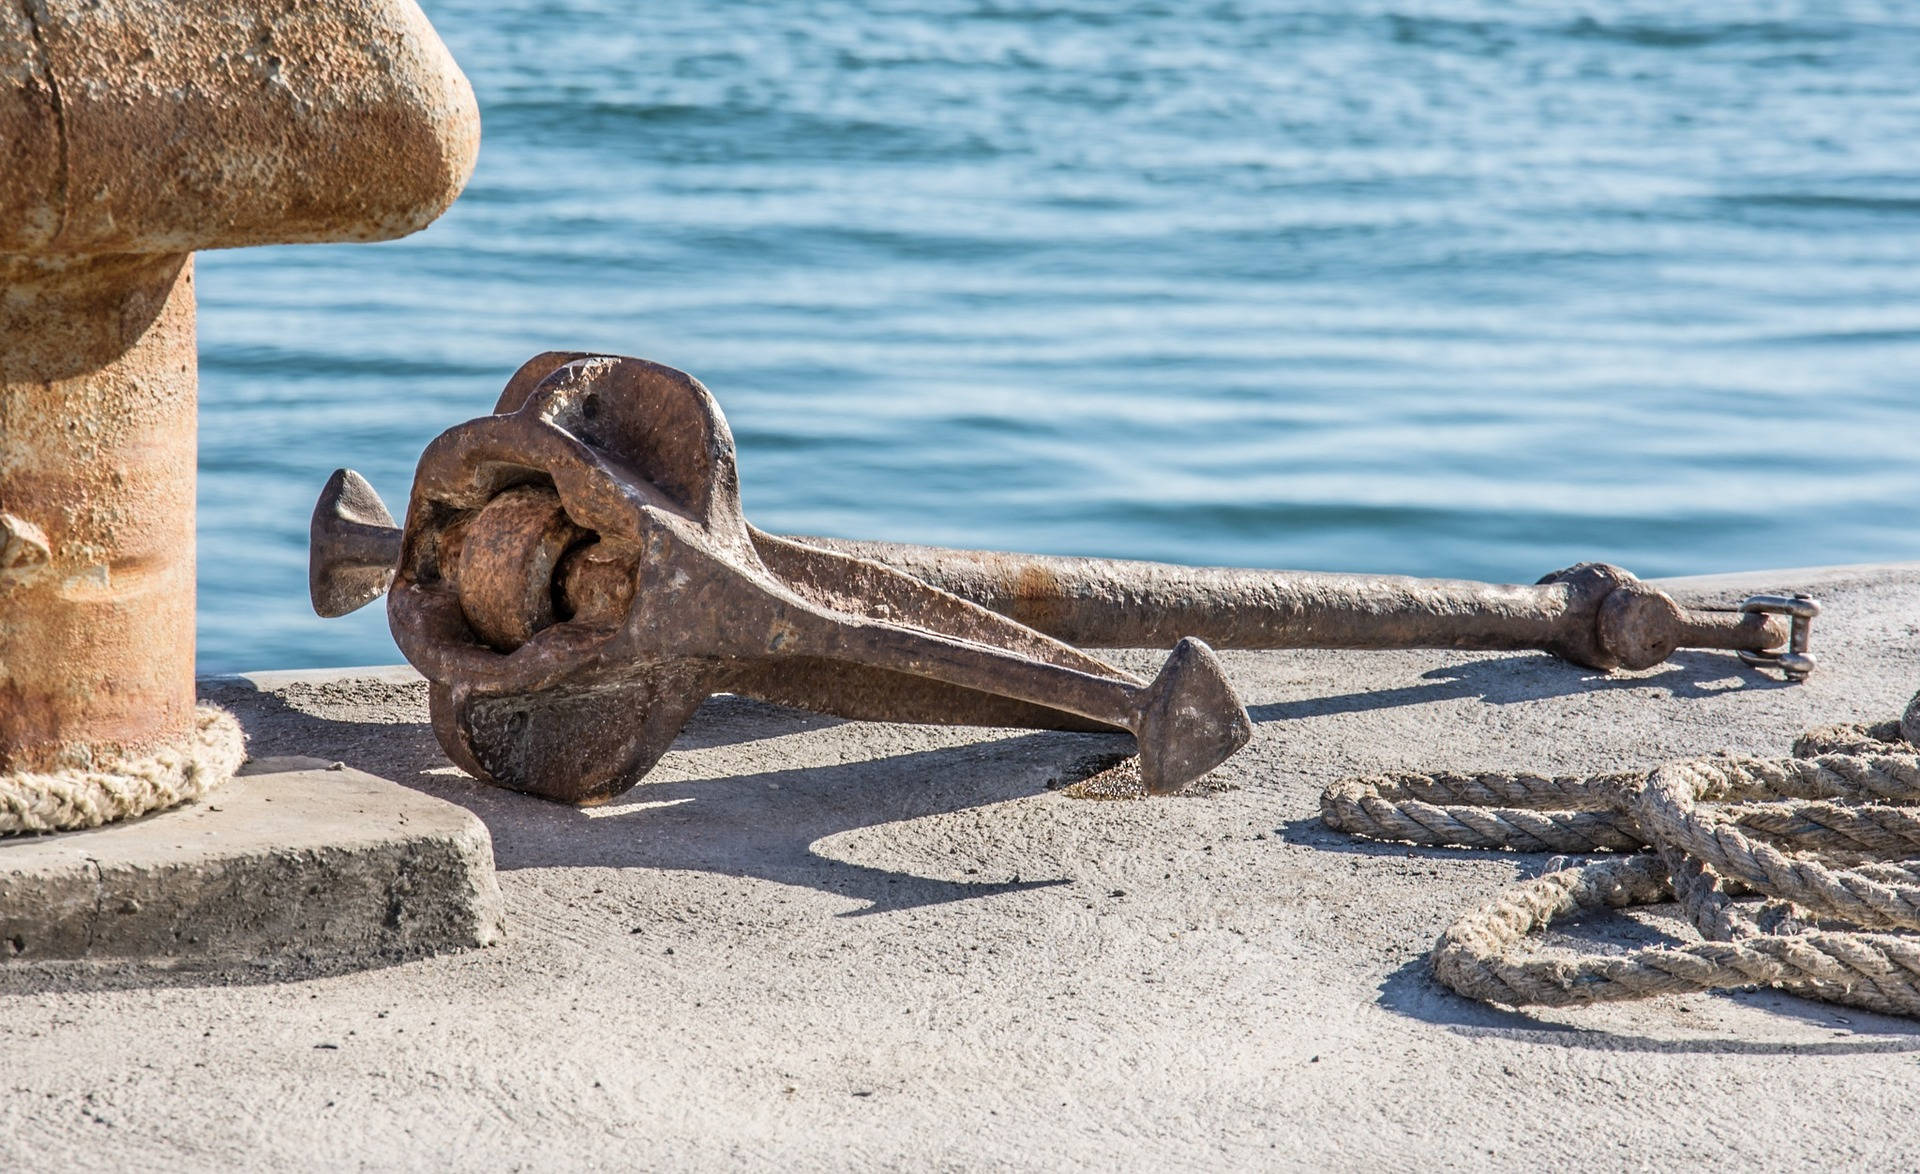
[1793, 660]
[155, 126]
[354, 546]
[131, 134]
[1592, 614]
[575, 577]
[96, 484]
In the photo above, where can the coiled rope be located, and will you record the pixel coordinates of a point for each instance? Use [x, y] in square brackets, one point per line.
[121, 788]
[1801, 873]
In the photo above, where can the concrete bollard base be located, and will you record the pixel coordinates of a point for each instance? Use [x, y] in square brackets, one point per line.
[292, 862]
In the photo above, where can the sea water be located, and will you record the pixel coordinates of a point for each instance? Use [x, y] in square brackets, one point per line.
[1454, 288]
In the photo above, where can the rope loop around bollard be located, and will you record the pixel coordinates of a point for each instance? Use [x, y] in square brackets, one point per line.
[123, 788]
[1799, 873]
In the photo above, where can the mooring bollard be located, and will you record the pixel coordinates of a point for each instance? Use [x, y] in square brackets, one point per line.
[132, 134]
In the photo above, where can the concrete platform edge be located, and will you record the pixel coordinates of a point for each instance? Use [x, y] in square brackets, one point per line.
[294, 864]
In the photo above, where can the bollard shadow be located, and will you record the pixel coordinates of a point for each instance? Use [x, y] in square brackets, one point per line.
[763, 824]
[1506, 680]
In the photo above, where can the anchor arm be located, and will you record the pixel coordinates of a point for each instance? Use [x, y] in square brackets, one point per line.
[1186, 721]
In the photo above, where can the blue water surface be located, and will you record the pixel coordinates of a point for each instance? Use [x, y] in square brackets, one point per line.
[1455, 288]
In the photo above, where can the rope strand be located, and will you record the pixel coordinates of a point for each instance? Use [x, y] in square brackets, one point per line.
[57, 801]
[1800, 873]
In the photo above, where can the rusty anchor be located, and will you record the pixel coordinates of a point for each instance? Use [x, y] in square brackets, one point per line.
[575, 578]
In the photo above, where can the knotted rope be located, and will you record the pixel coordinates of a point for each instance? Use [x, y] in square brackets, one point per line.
[121, 788]
[1826, 844]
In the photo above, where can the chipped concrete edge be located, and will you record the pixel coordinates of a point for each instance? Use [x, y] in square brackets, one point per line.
[347, 870]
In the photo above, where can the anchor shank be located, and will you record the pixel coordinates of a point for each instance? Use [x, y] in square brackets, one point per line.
[1116, 603]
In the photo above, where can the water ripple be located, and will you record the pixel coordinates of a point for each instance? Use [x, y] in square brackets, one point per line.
[1455, 288]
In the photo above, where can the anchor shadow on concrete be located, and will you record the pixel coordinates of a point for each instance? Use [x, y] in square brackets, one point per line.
[1507, 680]
[765, 824]
[769, 823]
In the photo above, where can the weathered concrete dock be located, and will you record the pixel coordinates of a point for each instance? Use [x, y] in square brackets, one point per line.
[819, 944]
